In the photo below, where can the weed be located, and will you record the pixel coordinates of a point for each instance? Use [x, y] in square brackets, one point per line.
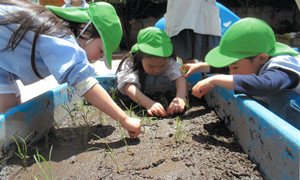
[110, 153]
[22, 152]
[38, 158]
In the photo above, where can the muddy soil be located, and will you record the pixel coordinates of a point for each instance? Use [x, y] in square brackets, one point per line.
[192, 145]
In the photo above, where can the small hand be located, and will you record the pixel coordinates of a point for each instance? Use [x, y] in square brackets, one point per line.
[133, 126]
[188, 69]
[155, 108]
[202, 87]
[176, 106]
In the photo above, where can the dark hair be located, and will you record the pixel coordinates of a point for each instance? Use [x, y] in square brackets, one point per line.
[32, 17]
[137, 58]
[75, 27]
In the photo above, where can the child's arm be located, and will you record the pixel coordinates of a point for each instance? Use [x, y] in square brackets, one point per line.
[194, 68]
[153, 108]
[99, 98]
[178, 103]
[209, 83]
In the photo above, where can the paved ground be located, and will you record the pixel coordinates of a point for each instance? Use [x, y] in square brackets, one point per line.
[30, 91]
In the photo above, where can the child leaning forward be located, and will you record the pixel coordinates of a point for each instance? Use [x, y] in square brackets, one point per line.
[150, 56]
[259, 67]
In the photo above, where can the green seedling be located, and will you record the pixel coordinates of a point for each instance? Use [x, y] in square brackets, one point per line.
[123, 136]
[181, 63]
[179, 136]
[22, 152]
[110, 153]
[114, 93]
[37, 159]
[146, 119]
[130, 109]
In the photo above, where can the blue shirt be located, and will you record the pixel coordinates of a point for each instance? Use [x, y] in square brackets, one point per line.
[61, 57]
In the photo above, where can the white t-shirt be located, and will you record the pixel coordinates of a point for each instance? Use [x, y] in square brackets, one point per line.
[202, 16]
[123, 76]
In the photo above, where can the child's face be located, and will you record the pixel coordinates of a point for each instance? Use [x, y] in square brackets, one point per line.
[92, 46]
[246, 66]
[155, 66]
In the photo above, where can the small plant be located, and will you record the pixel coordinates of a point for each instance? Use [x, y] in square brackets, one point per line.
[114, 93]
[22, 152]
[179, 136]
[181, 63]
[111, 153]
[123, 136]
[130, 109]
[146, 119]
[38, 158]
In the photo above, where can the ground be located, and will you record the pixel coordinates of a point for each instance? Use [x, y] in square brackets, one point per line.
[192, 145]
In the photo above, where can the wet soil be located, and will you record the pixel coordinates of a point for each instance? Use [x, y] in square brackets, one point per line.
[90, 145]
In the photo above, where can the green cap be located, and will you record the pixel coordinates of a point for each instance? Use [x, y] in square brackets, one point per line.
[105, 19]
[247, 37]
[153, 41]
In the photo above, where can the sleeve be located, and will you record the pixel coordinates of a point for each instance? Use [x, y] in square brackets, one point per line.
[267, 84]
[123, 76]
[66, 61]
[173, 70]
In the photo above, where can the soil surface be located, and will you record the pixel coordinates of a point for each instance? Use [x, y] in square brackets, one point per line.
[90, 145]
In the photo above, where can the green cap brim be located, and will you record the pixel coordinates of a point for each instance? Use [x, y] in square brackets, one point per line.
[216, 59]
[105, 19]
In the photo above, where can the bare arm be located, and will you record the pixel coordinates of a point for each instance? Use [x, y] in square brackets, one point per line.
[99, 98]
[178, 103]
[209, 83]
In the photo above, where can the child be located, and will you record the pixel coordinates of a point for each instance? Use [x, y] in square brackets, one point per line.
[260, 67]
[151, 56]
[35, 43]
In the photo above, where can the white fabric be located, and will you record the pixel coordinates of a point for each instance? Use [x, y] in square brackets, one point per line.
[68, 4]
[123, 76]
[202, 16]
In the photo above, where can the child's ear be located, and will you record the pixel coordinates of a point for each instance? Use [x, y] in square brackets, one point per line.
[263, 58]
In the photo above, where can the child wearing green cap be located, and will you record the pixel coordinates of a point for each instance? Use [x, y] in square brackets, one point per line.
[259, 66]
[35, 43]
[150, 57]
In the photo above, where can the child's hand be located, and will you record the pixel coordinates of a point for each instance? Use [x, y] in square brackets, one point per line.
[176, 106]
[133, 126]
[189, 69]
[202, 87]
[155, 108]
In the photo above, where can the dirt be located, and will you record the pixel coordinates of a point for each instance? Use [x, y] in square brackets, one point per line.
[192, 145]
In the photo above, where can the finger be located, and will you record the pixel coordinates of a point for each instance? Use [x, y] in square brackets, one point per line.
[162, 112]
[171, 110]
[150, 112]
[133, 134]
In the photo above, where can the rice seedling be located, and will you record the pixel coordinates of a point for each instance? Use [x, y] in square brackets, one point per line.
[179, 135]
[113, 92]
[131, 114]
[181, 63]
[22, 152]
[37, 159]
[110, 153]
[123, 136]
